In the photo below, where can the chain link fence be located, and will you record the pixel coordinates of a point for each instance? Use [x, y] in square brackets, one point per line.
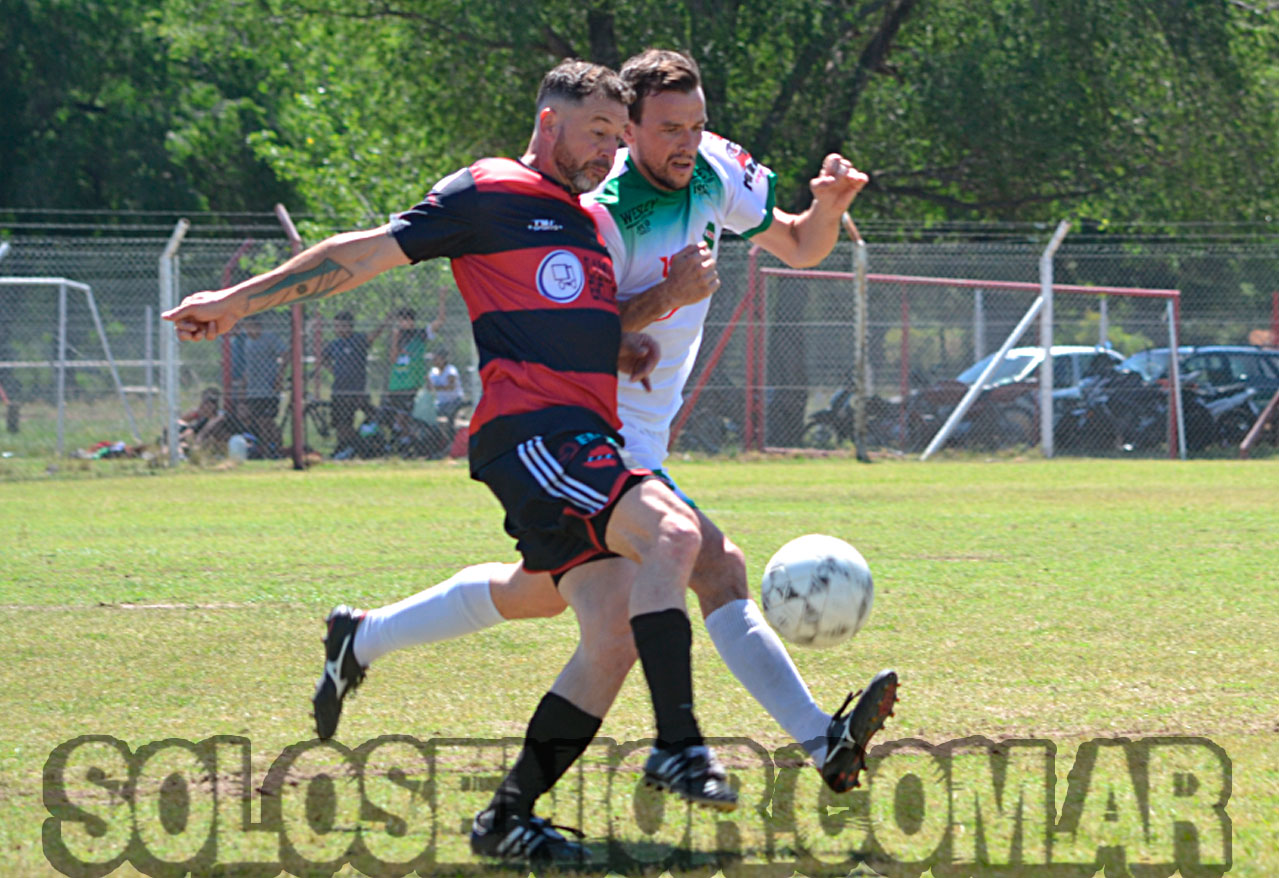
[391, 369]
[412, 323]
[927, 340]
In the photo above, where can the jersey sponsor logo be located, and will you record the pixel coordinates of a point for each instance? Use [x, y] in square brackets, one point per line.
[599, 280]
[750, 167]
[560, 277]
[703, 176]
[545, 225]
[638, 214]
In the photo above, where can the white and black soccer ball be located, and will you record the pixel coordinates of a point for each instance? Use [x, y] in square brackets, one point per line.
[817, 591]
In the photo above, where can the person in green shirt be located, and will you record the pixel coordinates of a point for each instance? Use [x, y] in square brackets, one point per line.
[409, 358]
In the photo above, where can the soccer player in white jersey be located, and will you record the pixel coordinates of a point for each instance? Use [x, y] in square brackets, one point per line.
[671, 195]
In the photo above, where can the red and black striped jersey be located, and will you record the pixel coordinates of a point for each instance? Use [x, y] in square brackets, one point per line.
[538, 284]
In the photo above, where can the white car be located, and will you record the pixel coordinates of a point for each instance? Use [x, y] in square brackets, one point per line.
[1070, 364]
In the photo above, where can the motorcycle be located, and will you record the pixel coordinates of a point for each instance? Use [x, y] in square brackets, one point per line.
[1119, 411]
[1234, 409]
[837, 423]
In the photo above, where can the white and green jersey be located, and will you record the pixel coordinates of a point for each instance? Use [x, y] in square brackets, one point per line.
[644, 227]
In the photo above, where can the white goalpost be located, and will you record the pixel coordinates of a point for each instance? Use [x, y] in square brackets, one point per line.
[61, 363]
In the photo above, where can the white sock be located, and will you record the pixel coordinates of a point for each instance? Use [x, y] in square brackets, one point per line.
[461, 604]
[755, 654]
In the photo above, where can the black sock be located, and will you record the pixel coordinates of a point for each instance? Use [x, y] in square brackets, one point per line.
[557, 734]
[664, 640]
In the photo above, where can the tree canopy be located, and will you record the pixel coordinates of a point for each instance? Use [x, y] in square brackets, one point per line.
[348, 109]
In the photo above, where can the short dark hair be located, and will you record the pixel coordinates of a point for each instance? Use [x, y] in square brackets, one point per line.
[575, 81]
[344, 315]
[654, 71]
[407, 313]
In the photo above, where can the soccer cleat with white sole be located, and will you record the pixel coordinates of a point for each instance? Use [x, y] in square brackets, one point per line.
[693, 774]
[529, 839]
[342, 673]
[848, 735]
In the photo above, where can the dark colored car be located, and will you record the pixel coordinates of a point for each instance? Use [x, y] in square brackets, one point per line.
[1219, 366]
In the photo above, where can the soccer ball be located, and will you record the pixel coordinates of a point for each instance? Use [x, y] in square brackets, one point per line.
[817, 591]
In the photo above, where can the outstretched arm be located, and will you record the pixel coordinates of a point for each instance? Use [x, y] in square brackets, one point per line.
[804, 240]
[335, 265]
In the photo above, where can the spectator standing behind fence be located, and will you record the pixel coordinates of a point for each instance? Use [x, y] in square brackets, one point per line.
[446, 384]
[262, 379]
[347, 356]
[408, 357]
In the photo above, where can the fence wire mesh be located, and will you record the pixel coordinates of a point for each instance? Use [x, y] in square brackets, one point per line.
[785, 358]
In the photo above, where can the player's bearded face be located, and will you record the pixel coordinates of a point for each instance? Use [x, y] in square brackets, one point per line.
[664, 142]
[581, 175]
[586, 141]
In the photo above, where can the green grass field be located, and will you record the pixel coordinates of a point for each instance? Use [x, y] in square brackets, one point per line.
[1064, 600]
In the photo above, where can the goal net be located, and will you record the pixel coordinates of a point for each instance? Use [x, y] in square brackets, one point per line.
[958, 363]
[69, 360]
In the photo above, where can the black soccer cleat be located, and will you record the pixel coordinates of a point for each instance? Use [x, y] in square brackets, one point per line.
[529, 839]
[848, 735]
[692, 773]
[342, 673]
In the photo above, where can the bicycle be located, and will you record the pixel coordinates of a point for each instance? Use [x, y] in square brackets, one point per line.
[317, 414]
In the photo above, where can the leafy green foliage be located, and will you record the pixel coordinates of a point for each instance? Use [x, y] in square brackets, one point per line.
[99, 113]
[994, 109]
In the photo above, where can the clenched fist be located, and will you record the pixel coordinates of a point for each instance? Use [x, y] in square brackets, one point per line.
[838, 182]
[692, 276]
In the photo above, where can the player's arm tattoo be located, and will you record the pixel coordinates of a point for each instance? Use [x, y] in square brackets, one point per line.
[317, 282]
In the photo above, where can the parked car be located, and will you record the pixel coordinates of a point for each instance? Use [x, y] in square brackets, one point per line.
[1071, 363]
[1235, 382]
[1224, 387]
[1006, 413]
[1152, 363]
[1219, 366]
[1223, 366]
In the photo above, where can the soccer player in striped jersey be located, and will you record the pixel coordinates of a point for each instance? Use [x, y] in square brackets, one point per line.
[615, 542]
[667, 201]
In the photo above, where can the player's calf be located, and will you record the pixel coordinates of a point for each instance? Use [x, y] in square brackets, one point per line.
[719, 573]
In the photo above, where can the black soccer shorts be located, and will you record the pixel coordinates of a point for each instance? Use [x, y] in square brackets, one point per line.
[559, 492]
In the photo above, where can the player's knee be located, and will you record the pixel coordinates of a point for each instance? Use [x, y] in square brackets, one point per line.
[618, 653]
[679, 536]
[543, 606]
[519, 595]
